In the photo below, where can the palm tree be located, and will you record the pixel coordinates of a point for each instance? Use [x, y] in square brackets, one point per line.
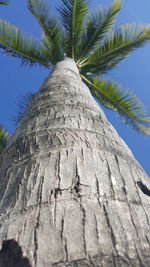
[72, 193]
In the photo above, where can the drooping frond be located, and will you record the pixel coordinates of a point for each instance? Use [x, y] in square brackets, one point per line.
[4, 2]
[115, 48]
[22, 107]
[118, 99]
[98, 25]
[73, 13]
[28, 49]
[3, 138]
[50, 26]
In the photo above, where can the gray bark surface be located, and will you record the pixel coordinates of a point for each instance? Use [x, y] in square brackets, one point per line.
[71, 192]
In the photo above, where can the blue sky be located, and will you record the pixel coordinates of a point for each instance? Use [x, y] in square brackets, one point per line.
[133, 73]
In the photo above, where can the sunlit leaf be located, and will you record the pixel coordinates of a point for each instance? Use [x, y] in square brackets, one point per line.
[30, 50]
[98, 25]
[73, 13]
[121, 100]
[116, 46]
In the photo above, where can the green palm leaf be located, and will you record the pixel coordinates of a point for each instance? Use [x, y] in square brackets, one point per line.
[98, 25]
[28, 49]
[73, 13]
[118, 99]
[5, 2]
[115, 48]
[3, 138]
[51, 27]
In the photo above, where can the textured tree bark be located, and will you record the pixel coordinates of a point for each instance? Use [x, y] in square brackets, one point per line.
[71, 192]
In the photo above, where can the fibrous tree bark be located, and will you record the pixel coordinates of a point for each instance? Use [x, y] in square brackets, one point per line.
[71, 192]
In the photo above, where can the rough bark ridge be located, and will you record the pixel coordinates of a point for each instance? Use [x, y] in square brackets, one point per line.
[71, 192]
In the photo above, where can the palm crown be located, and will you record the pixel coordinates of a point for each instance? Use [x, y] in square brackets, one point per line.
[91, 42]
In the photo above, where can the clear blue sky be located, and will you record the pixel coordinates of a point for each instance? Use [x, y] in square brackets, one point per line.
[133, 73]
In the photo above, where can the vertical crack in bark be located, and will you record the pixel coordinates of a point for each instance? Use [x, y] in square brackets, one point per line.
[114, 261]
[35, 244]
[112, 234]
[82, 154]
[62, 229]
[138, 256]
[83, 224]
[63, 237]
[78, 124]
[76, 182]
[90, 261]
[67, 153]
[56, 190]
[38, 219]
[97, 186]
[66, 249]
[39, 193]
[50, 196]
[57, 167]
[99, 202]
[110, 179]
[96, 230]
[129, 260]
[148, 241]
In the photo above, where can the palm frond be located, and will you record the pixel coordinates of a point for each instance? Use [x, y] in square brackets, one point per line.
[118, 99]
[117, 46]
[98, 25]
[73, 13]
[28, 49]
[50, 26]
[4, 2]
[3, 138]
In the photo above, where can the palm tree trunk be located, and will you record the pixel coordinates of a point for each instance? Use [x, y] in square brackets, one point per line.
[71, 192]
